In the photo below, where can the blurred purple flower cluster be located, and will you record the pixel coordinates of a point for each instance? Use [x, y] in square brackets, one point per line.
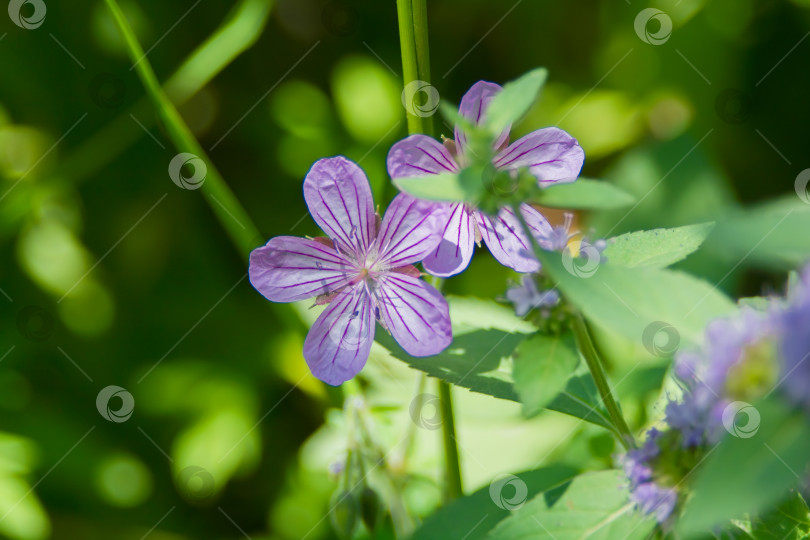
[743, 359]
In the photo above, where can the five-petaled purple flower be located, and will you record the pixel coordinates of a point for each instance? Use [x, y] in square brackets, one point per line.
[549, 154]
[364, 272]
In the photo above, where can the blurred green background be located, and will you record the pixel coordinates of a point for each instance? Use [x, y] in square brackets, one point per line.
[110, 274]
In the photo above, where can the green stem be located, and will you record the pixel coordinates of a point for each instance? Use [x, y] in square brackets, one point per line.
[452, 488]
[220, 198]
[410, 437]
[413, 41]
[588, 351]
[236, 34]
[415, 49]
[595, 366]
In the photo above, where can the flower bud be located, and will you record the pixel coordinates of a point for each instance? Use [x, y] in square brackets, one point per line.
[370, 508]
[344, 513]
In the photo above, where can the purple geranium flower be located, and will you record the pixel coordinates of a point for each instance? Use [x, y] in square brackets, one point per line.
[364, 272]
[550, 154]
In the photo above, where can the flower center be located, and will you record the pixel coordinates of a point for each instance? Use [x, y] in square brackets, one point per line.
[755, 373]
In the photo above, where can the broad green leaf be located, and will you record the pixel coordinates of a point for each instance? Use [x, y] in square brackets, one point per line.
[543, 366]
[764, 236]
[584, 194]
[474, 360]
[581, 399]
[485, 335]
[750, 473]
[470, 313]
[594, 506]
[473, 516]
[657, 248]
[789, 521]
[514, 101]
[628, 300]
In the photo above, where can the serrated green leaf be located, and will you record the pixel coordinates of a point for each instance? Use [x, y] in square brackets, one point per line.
[473, 516]
[628, 300]
[473, 360]
[789, 521]
[581, 399]
[543, 366]
[514, 101]
[749, 474]
[594, 506]
[485, 335]
[656, 248]
[584, 194]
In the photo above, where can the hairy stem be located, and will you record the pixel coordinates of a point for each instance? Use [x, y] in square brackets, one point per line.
[595, 366]
[588, 351]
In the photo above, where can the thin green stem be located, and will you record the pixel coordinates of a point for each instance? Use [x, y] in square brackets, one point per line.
[589, 352]
[415, 49]
[237, 33]
[585, 343]
[410, 437]
[413, 38]
[453, 488]
[220, 198]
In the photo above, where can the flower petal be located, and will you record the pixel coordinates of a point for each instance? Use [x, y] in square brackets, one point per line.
[338, 344]
[339, 198]
[455, 251]
[539, 226]
[419, 155]
[289, 268]
[506, 240]
[473, 107]
[410, 230]
[415, 313]
[551, 154]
